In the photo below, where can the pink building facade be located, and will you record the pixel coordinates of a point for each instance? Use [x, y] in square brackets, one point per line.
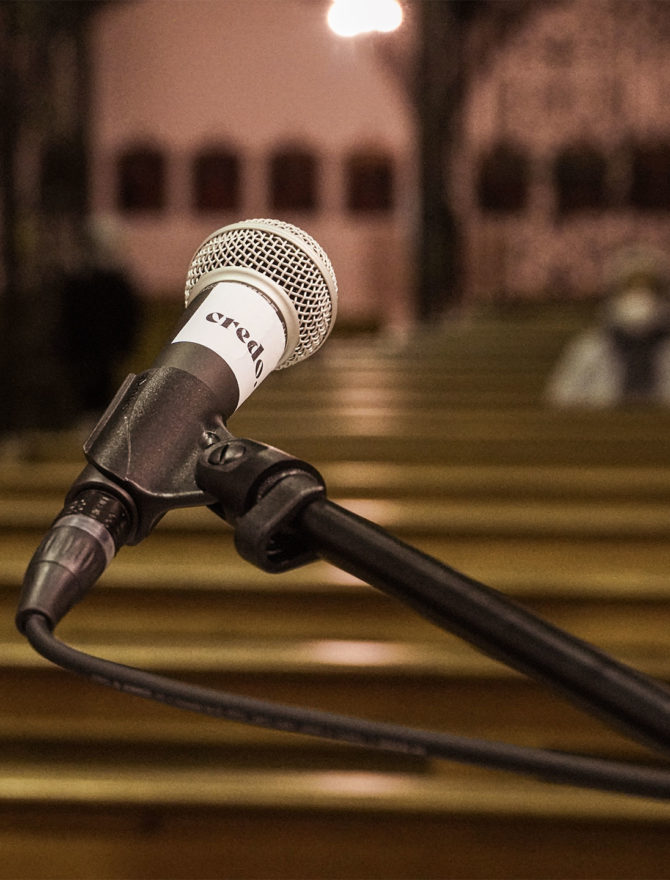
[591, 79]
[257, 76]
[253, 76]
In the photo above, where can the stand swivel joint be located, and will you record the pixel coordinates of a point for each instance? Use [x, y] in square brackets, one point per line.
[260, 491]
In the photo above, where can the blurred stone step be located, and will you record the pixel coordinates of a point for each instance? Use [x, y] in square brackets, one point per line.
[389, 479]
[488, 448]
[86, 822]
[380, 793]
[379, 420]
[494, 395]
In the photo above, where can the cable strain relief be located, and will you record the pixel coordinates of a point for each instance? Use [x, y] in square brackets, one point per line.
[72, 555]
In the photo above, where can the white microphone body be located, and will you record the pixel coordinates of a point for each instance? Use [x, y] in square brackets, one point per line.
[243, 327]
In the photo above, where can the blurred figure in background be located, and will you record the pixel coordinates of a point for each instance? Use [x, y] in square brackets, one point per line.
[626, 358]
[99, 320]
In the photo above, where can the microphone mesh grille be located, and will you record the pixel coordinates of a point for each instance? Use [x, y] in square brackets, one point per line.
[290, 258]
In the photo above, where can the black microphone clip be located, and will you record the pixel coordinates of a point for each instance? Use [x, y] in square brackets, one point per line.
[260, 492]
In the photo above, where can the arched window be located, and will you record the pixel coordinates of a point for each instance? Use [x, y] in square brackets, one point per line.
[293, 180]
[141, 173]
[650, 183]
[503, 179]
[370, 182]
[216, 180]
[580, 180]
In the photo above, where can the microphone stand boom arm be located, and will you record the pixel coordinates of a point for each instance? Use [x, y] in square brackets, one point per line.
[278, 508]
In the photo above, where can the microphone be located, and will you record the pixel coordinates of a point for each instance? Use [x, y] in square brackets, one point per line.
[260, 295]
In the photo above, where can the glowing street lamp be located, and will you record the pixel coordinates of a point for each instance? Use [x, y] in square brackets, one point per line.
[349, 18]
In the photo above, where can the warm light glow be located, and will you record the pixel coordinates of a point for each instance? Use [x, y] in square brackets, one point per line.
[349, 18]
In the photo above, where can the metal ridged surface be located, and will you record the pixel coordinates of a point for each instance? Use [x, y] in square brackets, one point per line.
[290, 258]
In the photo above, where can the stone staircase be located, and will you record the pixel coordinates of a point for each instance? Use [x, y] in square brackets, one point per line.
[446, 443]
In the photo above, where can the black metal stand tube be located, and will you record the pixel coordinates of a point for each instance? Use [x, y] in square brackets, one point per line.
[493, 623]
